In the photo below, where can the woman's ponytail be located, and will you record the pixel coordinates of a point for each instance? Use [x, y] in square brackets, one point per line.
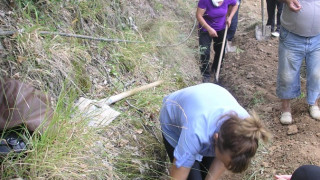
[241, 138]
[252, 127]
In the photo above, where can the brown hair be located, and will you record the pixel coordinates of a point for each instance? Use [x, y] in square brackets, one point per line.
[240, 138]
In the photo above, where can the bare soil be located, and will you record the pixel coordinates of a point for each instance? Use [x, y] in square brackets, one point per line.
[250, 74]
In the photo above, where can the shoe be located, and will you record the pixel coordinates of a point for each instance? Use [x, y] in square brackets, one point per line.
[286, 118]
[275, 34]
[315, 112]
[206, 80]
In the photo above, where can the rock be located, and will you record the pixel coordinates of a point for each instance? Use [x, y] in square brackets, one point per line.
[292, 129]
[265, 164]
[268, 109]
[318, 134]
[250, 75]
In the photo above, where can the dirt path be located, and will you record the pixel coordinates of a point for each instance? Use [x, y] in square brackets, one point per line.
[251, 75]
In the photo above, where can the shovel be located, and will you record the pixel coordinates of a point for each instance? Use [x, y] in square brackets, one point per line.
[263, 32]
[221, 54]
[100, 113]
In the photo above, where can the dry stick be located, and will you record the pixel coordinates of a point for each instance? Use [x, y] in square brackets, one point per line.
[221, 52]
[8, 33]
[87, 37]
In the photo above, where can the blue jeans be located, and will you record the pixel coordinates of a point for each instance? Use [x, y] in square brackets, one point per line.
[234, 24]
[293, 49]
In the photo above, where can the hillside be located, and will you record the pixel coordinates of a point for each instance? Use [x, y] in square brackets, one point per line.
[144, 41]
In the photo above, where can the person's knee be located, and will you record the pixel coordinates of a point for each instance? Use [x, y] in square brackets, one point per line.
[315, 76]
[286, 79]
[306, 172]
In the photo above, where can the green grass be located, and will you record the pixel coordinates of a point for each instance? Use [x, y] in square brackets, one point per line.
[257, 99]
[63, 151]
[66, 68]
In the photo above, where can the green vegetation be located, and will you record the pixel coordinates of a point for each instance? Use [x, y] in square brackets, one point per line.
[68, 68]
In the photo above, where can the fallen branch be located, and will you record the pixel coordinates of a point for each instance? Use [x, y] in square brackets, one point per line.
[9, 33]
[87, 37]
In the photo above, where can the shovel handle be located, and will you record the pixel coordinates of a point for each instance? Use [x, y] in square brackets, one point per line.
[221, 52]
[262, 14]
[120, 96]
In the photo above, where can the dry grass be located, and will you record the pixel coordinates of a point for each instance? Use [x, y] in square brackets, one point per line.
[131, 147]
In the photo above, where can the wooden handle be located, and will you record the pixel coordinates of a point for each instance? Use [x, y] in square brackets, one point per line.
[120, 96]
[221, 52]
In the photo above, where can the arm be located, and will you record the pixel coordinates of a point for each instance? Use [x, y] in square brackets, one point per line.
[294, 5]
[178, 173]
[283, 177]
[216, 170]
[231, 11]
[204, 24]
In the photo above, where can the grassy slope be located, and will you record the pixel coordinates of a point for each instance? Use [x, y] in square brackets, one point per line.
[67, 68]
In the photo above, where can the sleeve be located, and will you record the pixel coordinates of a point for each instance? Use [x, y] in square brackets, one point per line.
[233, 2]
[202, 4]
[187, 149]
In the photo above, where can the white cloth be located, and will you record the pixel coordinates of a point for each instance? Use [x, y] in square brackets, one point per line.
[216, 2]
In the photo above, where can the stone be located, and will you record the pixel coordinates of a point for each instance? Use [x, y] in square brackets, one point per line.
[292, 129]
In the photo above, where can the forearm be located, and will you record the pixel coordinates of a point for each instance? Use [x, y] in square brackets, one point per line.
[217, 168]
[178, 173]
[232, 11]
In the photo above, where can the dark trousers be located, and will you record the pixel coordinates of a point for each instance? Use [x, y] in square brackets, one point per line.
[199, 170]
[233, 26]
[204, 43]
[271, 7]
[306, 172]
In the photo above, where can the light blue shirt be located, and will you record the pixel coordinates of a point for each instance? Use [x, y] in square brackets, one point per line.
[190, 117]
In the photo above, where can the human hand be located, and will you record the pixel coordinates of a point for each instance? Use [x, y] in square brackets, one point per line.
[283, 177]
[228, 21]
[212, 32]
[294, 5]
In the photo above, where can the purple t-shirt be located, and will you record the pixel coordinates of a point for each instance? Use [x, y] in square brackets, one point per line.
[215, 16]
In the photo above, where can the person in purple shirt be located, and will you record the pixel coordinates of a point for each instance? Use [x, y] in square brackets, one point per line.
[206, 131]
[213, 15]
